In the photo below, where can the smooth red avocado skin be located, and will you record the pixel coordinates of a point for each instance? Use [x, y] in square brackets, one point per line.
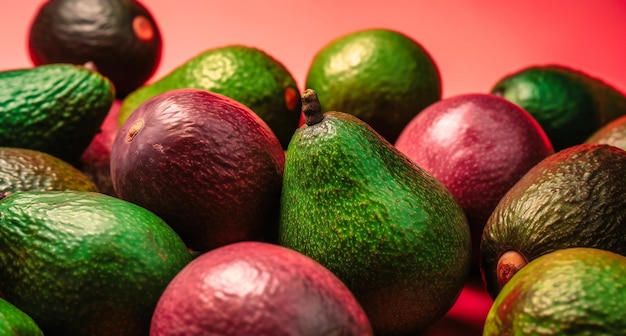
[206, 164]
[254, 288]
[478, 146]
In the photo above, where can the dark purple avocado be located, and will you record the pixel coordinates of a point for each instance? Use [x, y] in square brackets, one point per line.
[478, 145]
[255, 288]
[206, 164]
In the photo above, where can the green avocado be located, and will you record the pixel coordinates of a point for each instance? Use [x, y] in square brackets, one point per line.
[393, 233]
[78, 262]
[15, 322]
[55, 108]
[571, 291]
[26, 169]
[573, 198]
[569, 104]
[246, 74]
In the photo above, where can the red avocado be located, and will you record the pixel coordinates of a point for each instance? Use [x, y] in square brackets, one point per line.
[255, 288]
[478, 145]
[206, 164]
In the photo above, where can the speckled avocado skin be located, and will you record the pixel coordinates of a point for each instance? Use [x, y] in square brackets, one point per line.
[246, 74]
[25, 169]
[56, 108]
[573, 198]
[82, 262]
[391, 232]
[571, 291]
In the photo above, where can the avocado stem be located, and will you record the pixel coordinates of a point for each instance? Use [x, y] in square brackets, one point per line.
[311, 107]
[509, 263]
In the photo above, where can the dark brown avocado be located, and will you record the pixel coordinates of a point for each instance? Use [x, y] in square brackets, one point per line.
[120, 37]
[573, 198]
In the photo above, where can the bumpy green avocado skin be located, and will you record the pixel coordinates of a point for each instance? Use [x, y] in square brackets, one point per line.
[573, 198]
[81, 263]
[55, 108]
[15, 322]
[245, 74]
[572, 291]
[25, 169]
[385, 227]
[569, 104]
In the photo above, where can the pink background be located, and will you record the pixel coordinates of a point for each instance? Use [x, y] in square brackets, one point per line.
[473, 42]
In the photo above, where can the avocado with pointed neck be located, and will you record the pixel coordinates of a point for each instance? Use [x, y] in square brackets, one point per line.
[393, 233]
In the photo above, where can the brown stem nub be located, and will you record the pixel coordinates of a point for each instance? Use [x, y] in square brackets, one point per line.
[311, 107]
[509, 263]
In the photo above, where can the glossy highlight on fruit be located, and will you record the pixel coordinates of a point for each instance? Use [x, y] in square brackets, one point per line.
[205, 163]
[255, 288]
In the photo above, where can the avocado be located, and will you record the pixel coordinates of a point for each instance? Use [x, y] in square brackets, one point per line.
[389, 230]
[568, 103]
[478, 145]
[26, 169]
[613, 133]
[81, 262]
[380, 75]
[121, 38]
[573, 198]
[246, 74]
[205, 163]
[15, 322]
[56, 108]
[256, 288]
[571, 291]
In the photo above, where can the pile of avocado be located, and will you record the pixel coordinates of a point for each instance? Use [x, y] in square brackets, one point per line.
[298, 200]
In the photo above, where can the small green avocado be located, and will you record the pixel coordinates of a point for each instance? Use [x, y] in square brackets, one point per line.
[26, 169]
[78, 262]
[55, 108]
[568, 103]
[393, 233]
